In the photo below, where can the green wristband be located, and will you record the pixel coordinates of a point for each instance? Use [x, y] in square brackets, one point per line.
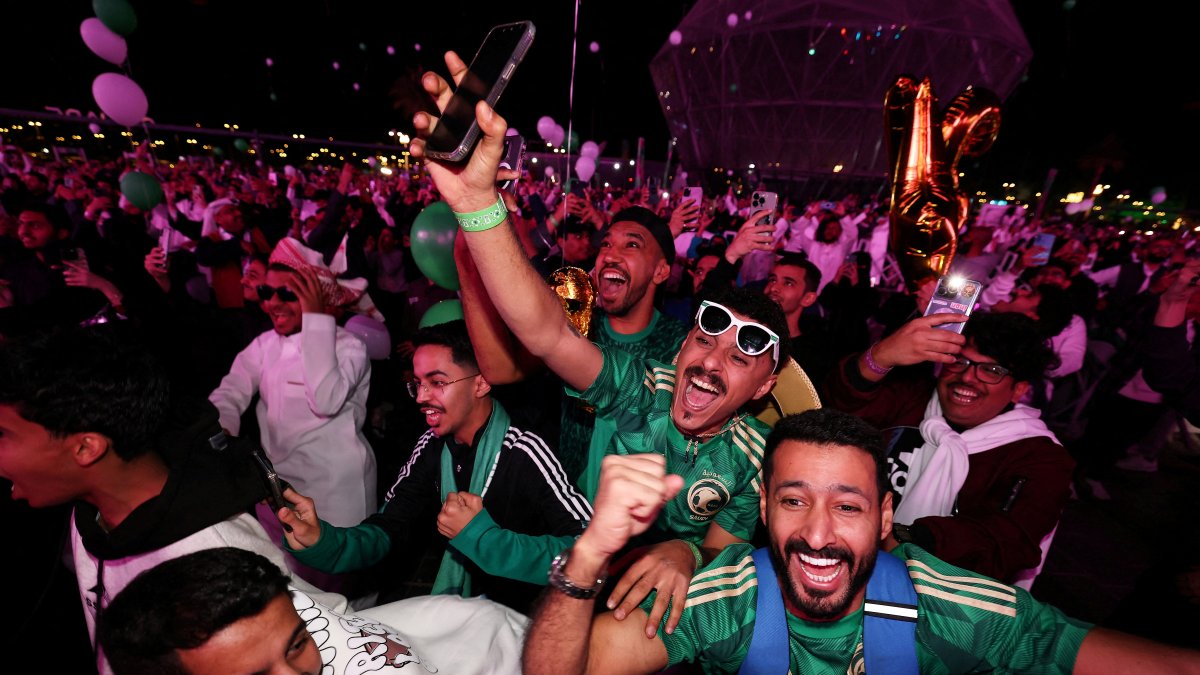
[486, 219]
[696, 552]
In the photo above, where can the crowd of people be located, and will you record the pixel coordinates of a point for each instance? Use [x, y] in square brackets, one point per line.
[190, 381]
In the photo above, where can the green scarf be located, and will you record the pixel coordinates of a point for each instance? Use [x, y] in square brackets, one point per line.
[452, 578]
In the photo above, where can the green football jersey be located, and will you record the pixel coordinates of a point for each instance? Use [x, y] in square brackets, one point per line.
[721, 474]
[660, 341]
[966, 623]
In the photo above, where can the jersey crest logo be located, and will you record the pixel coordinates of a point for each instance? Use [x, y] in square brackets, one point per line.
[706, 497]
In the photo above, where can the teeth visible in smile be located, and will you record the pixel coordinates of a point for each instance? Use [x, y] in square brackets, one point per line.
[705, 386]
[819, 562]
[810, 561]
[613, 276]
[966, 395]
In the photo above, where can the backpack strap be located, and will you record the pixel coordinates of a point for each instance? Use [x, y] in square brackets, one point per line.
[769, 653]
[889, 618]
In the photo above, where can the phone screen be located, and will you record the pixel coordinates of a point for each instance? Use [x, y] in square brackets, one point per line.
[1045, 242]
[954, 295]
[456, 130]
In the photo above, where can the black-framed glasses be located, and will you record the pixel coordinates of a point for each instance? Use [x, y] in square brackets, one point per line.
[752, 338]
[991, 373]
[266, 292]
[415, 386]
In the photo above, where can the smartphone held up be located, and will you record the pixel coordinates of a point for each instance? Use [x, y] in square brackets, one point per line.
[456, 132]
[954, 294]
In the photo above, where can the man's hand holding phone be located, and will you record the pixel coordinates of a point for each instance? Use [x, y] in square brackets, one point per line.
[916, 341]
[302, 518]
[469, 186]
[754, 235]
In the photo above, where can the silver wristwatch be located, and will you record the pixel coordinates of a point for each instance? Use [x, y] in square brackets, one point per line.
[560, 582]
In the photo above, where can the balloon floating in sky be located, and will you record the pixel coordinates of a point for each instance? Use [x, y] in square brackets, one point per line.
[391, 51]
[270, 62]
[585, 168]
[589, 149]
[362, 46]
[594, 47]
[241, 144]
[748, 15]
[417, 47]
[94, 128]
[118, 15]
[675, 37]
[103, 42]
[731, 20]
[355, 86]
[337, 66]
[120, 98]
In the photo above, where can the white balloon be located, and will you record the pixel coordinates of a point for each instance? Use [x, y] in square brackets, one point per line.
[558, 136]
[103, 42]
[373, 334]
[120, 98]
[549, 171]
[545, 127]
[355, 86]
[594, 47]
[94, 128]
[1158, 196]
[675, 37]
[589, 149]
[585, 168]
[270, 62]
[336, 65]
[391, 51]
[731, 20]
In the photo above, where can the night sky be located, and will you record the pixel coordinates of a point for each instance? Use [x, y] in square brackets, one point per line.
[1104, 82]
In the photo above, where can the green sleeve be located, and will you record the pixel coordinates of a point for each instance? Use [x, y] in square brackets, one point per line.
[504, 553]
[345, 549]
[620, 379]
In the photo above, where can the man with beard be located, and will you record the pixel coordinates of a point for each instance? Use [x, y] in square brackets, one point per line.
[981, 479]
[827, 508]
[690, 411]
[496, 492]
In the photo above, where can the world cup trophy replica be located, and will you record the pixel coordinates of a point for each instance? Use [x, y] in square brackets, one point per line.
[928, 208]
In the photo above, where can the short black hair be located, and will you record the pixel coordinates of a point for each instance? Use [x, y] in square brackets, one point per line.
[1055, 310]
[96, 379]
[812, 275]
[452, 334]
[181, 604]
[826, 426]
[760, 308]
[1015, 341]
[56, 215]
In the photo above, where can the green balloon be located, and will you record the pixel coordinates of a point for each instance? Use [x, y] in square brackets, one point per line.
[218, 151]
[443, 312]
[571, 142]
[241, 144]
[117, 15]
[432, 240]
[142, 190]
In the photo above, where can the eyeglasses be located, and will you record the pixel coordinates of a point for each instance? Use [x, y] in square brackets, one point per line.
[752, 338]
[415, 385]
[266, 292]
[991, 373]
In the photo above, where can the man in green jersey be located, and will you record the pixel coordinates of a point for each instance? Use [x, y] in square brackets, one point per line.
[689, 412]
[827, 509]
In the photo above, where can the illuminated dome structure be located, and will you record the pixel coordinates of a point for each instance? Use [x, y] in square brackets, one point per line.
[796, 88]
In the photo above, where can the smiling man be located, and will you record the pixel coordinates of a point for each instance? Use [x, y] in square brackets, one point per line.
[981, 480]
[689, 412]
[827, 508]
[497, 493]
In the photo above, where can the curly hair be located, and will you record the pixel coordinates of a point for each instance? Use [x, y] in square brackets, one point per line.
[1015, 341]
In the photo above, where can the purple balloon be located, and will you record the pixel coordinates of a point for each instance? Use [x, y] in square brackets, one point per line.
[120, 98]
[373, 334]
[103, 42]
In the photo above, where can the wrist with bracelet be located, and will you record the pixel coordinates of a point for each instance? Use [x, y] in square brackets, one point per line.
[558, 579]
[872, 364]
[483, 219]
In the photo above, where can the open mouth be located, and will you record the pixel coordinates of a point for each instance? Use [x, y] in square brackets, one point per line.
[821, 571]
[961, 395]
[433, 416]
[612, 281]
[701, 390]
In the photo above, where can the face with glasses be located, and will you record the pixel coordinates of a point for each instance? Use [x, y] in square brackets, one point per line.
[279, 301]
[975, 388]
[452, 397]
[720, 367]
